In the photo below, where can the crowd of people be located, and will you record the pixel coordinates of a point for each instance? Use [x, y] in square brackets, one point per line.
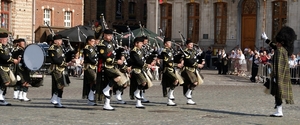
[255, 64]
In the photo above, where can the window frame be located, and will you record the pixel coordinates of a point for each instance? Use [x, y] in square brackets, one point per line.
[166, 19]
[68, 21]
[220, 21]
[47, 12]
[5, 14]
[193, 18]
[278, 19]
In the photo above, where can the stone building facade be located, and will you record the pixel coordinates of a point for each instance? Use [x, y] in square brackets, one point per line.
[16, 17]
[224, 23]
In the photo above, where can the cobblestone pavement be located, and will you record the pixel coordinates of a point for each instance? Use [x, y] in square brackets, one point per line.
[221, 100]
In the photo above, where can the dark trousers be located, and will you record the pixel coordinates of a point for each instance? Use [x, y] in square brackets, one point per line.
[220, 67]
[253, 74]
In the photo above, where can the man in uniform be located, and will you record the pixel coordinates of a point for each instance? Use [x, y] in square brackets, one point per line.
[190, 74]
[22, 72]
[90, 64]
[60, 79]
[169, 79]
[138, 80]
[112, 76]
[124, 82]
[149, 58]
[5, 61]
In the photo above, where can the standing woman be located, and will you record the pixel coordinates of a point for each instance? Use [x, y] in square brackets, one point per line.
[281, 87]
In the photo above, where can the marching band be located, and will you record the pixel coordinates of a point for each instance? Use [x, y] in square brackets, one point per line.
[109, 68]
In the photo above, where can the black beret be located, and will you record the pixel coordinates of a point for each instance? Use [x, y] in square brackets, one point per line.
[167, 39]
[138, 39]
[144, 37]
[21, 40]
[90, 38]
[16, 41]
[108, 31]
[3, 35]
[57, 36]
[188, 41]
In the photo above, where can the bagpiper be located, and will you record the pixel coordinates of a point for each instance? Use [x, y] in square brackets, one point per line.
[190, 73]
[138, 78]
[90, 65]
[6, 75]
[169, 78]
[108, 63]
[60, 78]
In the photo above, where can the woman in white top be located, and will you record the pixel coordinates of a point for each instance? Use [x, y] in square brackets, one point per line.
[242, 64]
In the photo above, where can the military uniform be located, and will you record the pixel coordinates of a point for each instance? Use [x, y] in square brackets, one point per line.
[60, 77]
[138, 77]
[90, 64]
[21, 71]
[5, 61]
[124, 81]
[190, 74]
[107, 68]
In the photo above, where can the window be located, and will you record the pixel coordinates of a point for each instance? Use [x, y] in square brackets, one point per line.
[220, 22]
[5, 12]
[279, 16]
[67, 19]
[47, 17]
[166, 19]
[193, 22]
[132, 10]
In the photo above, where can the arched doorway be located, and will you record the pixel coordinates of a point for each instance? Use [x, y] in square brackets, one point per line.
[248, 24]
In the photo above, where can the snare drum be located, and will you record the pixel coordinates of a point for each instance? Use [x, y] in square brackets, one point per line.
[34, 57]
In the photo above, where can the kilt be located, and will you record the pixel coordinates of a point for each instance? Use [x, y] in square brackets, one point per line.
[189, 77]
[138, 76]
[24, 74]
[90, 75]
[169, 77]
[111, 73]
[59, 80]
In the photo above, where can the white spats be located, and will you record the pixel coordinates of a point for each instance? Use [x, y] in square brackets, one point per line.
[137, 94]
[144, 100]
[190, 102]
[25, 97]
[107, 105]
[91, 99]
[16, 94]
[171, 103]
[106, 91]
[58, 105]
[278, 112]
[21, 96]
[119, 97]
[54, 99]
[171, 95]
[2, 101]
[188, 94]
[139, 104]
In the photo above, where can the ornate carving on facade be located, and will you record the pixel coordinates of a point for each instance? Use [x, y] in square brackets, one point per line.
[250, 7]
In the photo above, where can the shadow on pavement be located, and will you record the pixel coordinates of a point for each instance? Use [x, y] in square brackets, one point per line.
[225, 112]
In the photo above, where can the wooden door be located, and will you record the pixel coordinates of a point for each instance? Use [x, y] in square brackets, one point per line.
[248, 24]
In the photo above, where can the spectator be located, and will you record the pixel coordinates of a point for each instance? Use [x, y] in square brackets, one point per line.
[255, 65]
[78, 65]
[208, 54]
[293, 63]
[242, 64]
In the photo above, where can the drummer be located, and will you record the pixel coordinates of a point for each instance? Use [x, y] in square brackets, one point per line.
[5, 61]
[22, 72]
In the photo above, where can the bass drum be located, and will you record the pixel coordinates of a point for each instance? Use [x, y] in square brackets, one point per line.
[34, 57]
